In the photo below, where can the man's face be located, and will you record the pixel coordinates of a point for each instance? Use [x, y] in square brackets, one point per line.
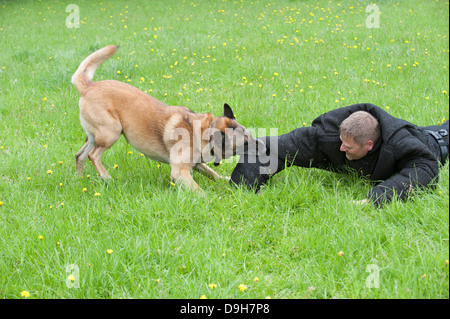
[354, 151]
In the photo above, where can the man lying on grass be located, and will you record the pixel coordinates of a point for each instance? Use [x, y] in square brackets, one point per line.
[397, 155]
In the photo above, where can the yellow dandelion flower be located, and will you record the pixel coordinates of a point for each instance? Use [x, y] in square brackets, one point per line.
[71, 278]
[1, 203]
[97, 194]
[256, 279]
[40, 237]
[84, 190]
[341, 253]
[25, 294]
[109, 251]
[242, 287]
[212, 286]
[49, 171]
[446, 262]
[203, 297]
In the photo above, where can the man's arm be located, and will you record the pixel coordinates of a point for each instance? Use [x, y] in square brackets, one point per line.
[297, 147]
[417, 169]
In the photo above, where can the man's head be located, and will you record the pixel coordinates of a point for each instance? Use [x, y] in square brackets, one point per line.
[359, 132]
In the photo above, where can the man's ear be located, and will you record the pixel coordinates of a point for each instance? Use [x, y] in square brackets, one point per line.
[370, 144]
[228, 112]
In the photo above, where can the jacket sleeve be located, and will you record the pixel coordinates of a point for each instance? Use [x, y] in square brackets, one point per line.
[294, 148]
[417, 168]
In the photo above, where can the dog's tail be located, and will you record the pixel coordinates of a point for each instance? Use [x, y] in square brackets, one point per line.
[85, 72]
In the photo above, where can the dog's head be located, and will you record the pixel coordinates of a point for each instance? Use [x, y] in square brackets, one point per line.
[229, 138]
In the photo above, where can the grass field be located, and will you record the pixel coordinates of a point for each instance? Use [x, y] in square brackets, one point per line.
[279, 64]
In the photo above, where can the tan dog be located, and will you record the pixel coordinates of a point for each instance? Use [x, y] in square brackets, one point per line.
[170, 134]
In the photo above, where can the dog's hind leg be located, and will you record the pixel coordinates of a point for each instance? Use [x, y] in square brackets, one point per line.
[82, 155]
[102, 142]
[95, 157]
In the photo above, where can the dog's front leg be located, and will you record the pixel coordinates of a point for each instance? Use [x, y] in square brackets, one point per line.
[207, 171]
[181, 174]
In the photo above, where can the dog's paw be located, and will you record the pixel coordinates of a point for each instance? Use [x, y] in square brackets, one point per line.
[359, 202]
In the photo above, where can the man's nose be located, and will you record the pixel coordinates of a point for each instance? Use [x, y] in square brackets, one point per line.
[343, 148]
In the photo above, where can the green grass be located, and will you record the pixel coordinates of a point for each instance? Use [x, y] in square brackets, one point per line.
[279, 65]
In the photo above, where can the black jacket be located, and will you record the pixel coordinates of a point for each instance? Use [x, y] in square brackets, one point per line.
[403, 157]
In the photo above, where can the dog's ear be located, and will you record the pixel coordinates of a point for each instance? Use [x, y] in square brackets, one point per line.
[228, 112]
